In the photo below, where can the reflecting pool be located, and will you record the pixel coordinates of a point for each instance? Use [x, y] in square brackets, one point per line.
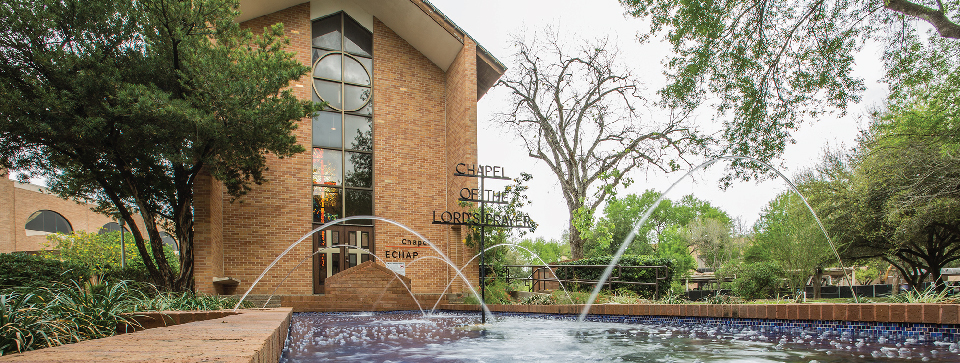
[457, 337]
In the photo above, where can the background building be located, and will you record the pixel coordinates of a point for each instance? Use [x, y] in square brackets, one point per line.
[28, 213]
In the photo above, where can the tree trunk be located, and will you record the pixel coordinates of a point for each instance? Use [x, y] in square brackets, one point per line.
[896, 285]
[576, 243]
[817, 278]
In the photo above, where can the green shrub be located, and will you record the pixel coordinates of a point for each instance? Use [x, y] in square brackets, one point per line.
[672, 298]
[537, 299]
[558, 297]
[572, 297]
[24, 270]
[496, 293]
[631, 275]
[100, 254]
[132, 272]
[620, 296]
[756, 280]
[719, 298]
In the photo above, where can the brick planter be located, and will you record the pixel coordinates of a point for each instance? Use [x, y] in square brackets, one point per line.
[880, 313]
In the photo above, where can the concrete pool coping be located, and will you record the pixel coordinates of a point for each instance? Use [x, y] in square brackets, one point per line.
[251, 335]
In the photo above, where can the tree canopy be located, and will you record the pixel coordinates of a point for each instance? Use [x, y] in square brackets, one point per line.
[787, 235]
[895, 197]
[769, 65]
[125, 104]
[672, 230]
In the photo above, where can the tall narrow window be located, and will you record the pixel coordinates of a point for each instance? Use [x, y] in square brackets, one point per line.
[343, 132]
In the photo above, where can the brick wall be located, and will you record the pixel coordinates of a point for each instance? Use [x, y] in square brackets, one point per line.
[881, 313]
[410, 163]
[207, 232]
[461, 134]
[370, 287]
[8, 241]
[262, 224]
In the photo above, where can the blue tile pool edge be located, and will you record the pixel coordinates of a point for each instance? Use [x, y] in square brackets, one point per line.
[921, 333]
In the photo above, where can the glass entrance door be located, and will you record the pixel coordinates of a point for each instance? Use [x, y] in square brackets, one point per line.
[339, 248]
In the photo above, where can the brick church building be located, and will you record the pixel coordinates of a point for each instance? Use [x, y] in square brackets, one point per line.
[402, 83]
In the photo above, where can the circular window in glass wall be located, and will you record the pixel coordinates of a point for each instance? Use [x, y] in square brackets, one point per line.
[343, 81]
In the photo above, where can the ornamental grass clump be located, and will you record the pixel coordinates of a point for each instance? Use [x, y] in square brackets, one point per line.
[173, 301]
[95, 308]
[26, 323]
[930, 295]
[39, 317]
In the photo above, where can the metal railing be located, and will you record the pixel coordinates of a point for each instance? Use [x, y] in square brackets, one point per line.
[540, 277]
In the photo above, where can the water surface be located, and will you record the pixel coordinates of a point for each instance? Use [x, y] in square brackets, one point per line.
[458, 337]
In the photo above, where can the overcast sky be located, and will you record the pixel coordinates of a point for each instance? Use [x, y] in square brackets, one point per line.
[493, 22]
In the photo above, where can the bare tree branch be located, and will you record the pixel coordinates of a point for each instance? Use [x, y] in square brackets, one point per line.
[576, 111]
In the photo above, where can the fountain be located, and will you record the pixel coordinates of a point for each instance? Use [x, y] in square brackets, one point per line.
[341, 220]
[633, 233]
[456, 336]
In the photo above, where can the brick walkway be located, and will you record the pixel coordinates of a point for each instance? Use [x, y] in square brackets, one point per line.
[251, 336]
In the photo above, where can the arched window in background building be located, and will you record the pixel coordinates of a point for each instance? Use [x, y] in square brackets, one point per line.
[45, 222]
[111, 227]
[169, 241]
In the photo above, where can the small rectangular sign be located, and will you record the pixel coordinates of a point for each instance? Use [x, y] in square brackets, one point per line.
[399, 267]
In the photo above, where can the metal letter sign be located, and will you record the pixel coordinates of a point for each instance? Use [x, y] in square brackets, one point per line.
[482, 219]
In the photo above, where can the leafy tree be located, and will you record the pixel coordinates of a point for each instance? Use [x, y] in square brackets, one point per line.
[673, 246]
[125, 104]
[771, 64]
[896, 197]
[516, 198]
[549, 251]
[622, 214]
[787, 235]
[664, 234]
[902, 215]
[577, 112]
[712, 240]
[870, 271]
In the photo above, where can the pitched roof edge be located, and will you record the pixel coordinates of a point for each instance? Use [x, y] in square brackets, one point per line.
[456, 31]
